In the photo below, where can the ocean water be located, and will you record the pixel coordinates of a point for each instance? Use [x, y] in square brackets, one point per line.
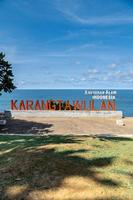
[124, 98]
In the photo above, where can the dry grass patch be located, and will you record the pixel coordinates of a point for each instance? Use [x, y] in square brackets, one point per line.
[65, 167]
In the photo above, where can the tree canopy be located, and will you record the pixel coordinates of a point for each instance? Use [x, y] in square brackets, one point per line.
[6, 75]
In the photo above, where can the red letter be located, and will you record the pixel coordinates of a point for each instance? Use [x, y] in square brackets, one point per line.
[22, 106]
[52, 105]
[45, 106]
[37, 105]
[13, 105]
[60, 104]
[29, 105]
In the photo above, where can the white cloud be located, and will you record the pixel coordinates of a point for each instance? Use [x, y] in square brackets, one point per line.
[72, 11]
[83, 79]
[113, 66]
[93, 71]
[120, 76]
[105, 20]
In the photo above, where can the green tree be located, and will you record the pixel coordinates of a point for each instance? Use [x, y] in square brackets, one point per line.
[6, 75]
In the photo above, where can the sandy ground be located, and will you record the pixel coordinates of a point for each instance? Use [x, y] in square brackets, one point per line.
[92, 125]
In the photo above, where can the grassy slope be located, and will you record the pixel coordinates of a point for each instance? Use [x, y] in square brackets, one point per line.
[65, 167]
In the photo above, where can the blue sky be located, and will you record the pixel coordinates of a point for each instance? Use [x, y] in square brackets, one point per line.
[68, 43]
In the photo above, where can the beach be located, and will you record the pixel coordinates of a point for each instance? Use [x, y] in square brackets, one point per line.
[79, 125]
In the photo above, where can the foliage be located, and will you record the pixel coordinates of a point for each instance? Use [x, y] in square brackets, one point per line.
[6, 75]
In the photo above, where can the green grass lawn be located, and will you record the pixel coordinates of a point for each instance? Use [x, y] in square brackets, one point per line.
[66, 167]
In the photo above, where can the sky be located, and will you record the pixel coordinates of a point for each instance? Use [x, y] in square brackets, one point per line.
[68, 43]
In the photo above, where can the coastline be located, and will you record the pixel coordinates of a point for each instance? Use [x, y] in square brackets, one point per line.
[123, 99]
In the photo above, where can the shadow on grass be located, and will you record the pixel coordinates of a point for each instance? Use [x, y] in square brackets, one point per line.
[108, 137]
[111, 137]
[44, 167]
[129, 162]
[9, 142]
[18, 126]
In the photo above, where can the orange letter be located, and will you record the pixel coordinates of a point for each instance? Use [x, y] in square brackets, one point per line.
[77, 106]
[103, 106]
[92, 105]
[111, 105]
[67, 106]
